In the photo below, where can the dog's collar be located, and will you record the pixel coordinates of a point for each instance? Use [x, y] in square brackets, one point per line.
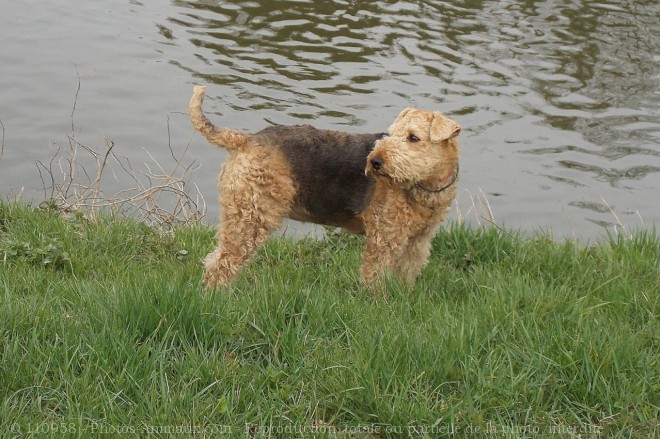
[442, 188]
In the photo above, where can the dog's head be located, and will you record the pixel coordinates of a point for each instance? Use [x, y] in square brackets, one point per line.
[421, 146]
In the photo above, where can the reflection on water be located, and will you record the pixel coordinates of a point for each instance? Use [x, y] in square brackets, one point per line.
[559, 100]
[574, 85]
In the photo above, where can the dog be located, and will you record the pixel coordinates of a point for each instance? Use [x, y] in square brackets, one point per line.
[395, 188]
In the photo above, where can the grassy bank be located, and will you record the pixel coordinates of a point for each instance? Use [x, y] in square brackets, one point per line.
[105, 333]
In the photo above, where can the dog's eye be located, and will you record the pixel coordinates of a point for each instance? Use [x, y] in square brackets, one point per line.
[413, 138]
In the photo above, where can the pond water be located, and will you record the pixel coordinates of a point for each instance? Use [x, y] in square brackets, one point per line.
[559, 101]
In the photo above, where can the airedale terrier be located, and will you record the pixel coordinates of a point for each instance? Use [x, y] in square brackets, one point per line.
[395, 187]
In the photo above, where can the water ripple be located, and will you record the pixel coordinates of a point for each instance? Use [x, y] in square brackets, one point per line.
[567, 92]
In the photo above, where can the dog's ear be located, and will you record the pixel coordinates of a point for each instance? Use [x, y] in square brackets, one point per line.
[443, 128]
[403, 113]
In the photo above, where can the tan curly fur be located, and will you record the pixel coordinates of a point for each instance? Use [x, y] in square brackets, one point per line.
[395, 187]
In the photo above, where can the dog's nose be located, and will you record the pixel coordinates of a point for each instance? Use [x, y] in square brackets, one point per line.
[376, 163]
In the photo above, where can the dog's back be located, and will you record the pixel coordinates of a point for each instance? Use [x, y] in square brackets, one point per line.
[329, 170]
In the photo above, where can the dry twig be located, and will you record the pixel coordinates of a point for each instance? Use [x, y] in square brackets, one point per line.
[2, 139]
[159, 198]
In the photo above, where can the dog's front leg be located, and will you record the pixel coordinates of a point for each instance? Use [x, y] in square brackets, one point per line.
[382, 252]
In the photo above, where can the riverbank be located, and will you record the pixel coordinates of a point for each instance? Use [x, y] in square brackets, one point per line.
[105, 331]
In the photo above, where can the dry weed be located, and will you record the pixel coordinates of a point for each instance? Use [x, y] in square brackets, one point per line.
[76, 175]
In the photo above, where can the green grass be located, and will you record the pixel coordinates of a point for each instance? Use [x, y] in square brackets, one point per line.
[105, 333]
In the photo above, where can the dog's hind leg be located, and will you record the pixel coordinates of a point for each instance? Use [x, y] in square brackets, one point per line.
[253, 203]
[239, 238]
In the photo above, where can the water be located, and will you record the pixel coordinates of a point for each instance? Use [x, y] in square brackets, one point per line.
[559, 101]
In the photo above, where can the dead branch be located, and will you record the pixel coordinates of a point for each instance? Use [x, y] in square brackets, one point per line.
[158, 197]
[2, 139]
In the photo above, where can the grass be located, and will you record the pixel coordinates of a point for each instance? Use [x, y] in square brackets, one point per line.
[105, 333]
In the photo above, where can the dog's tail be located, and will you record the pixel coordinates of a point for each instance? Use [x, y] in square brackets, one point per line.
[230, 139]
